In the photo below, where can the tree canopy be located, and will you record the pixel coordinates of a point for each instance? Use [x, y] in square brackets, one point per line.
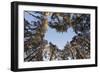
[34, 32]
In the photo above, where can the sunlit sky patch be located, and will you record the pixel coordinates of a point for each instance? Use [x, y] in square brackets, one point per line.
[59, 38]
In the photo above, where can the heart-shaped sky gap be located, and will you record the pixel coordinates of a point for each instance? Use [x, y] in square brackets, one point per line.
[58, 38]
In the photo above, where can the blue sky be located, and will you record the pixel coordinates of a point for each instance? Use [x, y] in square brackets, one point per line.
[57, 38]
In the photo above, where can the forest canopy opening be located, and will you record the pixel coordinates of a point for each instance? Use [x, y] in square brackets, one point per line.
[56, 36]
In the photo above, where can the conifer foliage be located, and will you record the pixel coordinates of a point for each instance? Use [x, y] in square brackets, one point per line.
[36, 48]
